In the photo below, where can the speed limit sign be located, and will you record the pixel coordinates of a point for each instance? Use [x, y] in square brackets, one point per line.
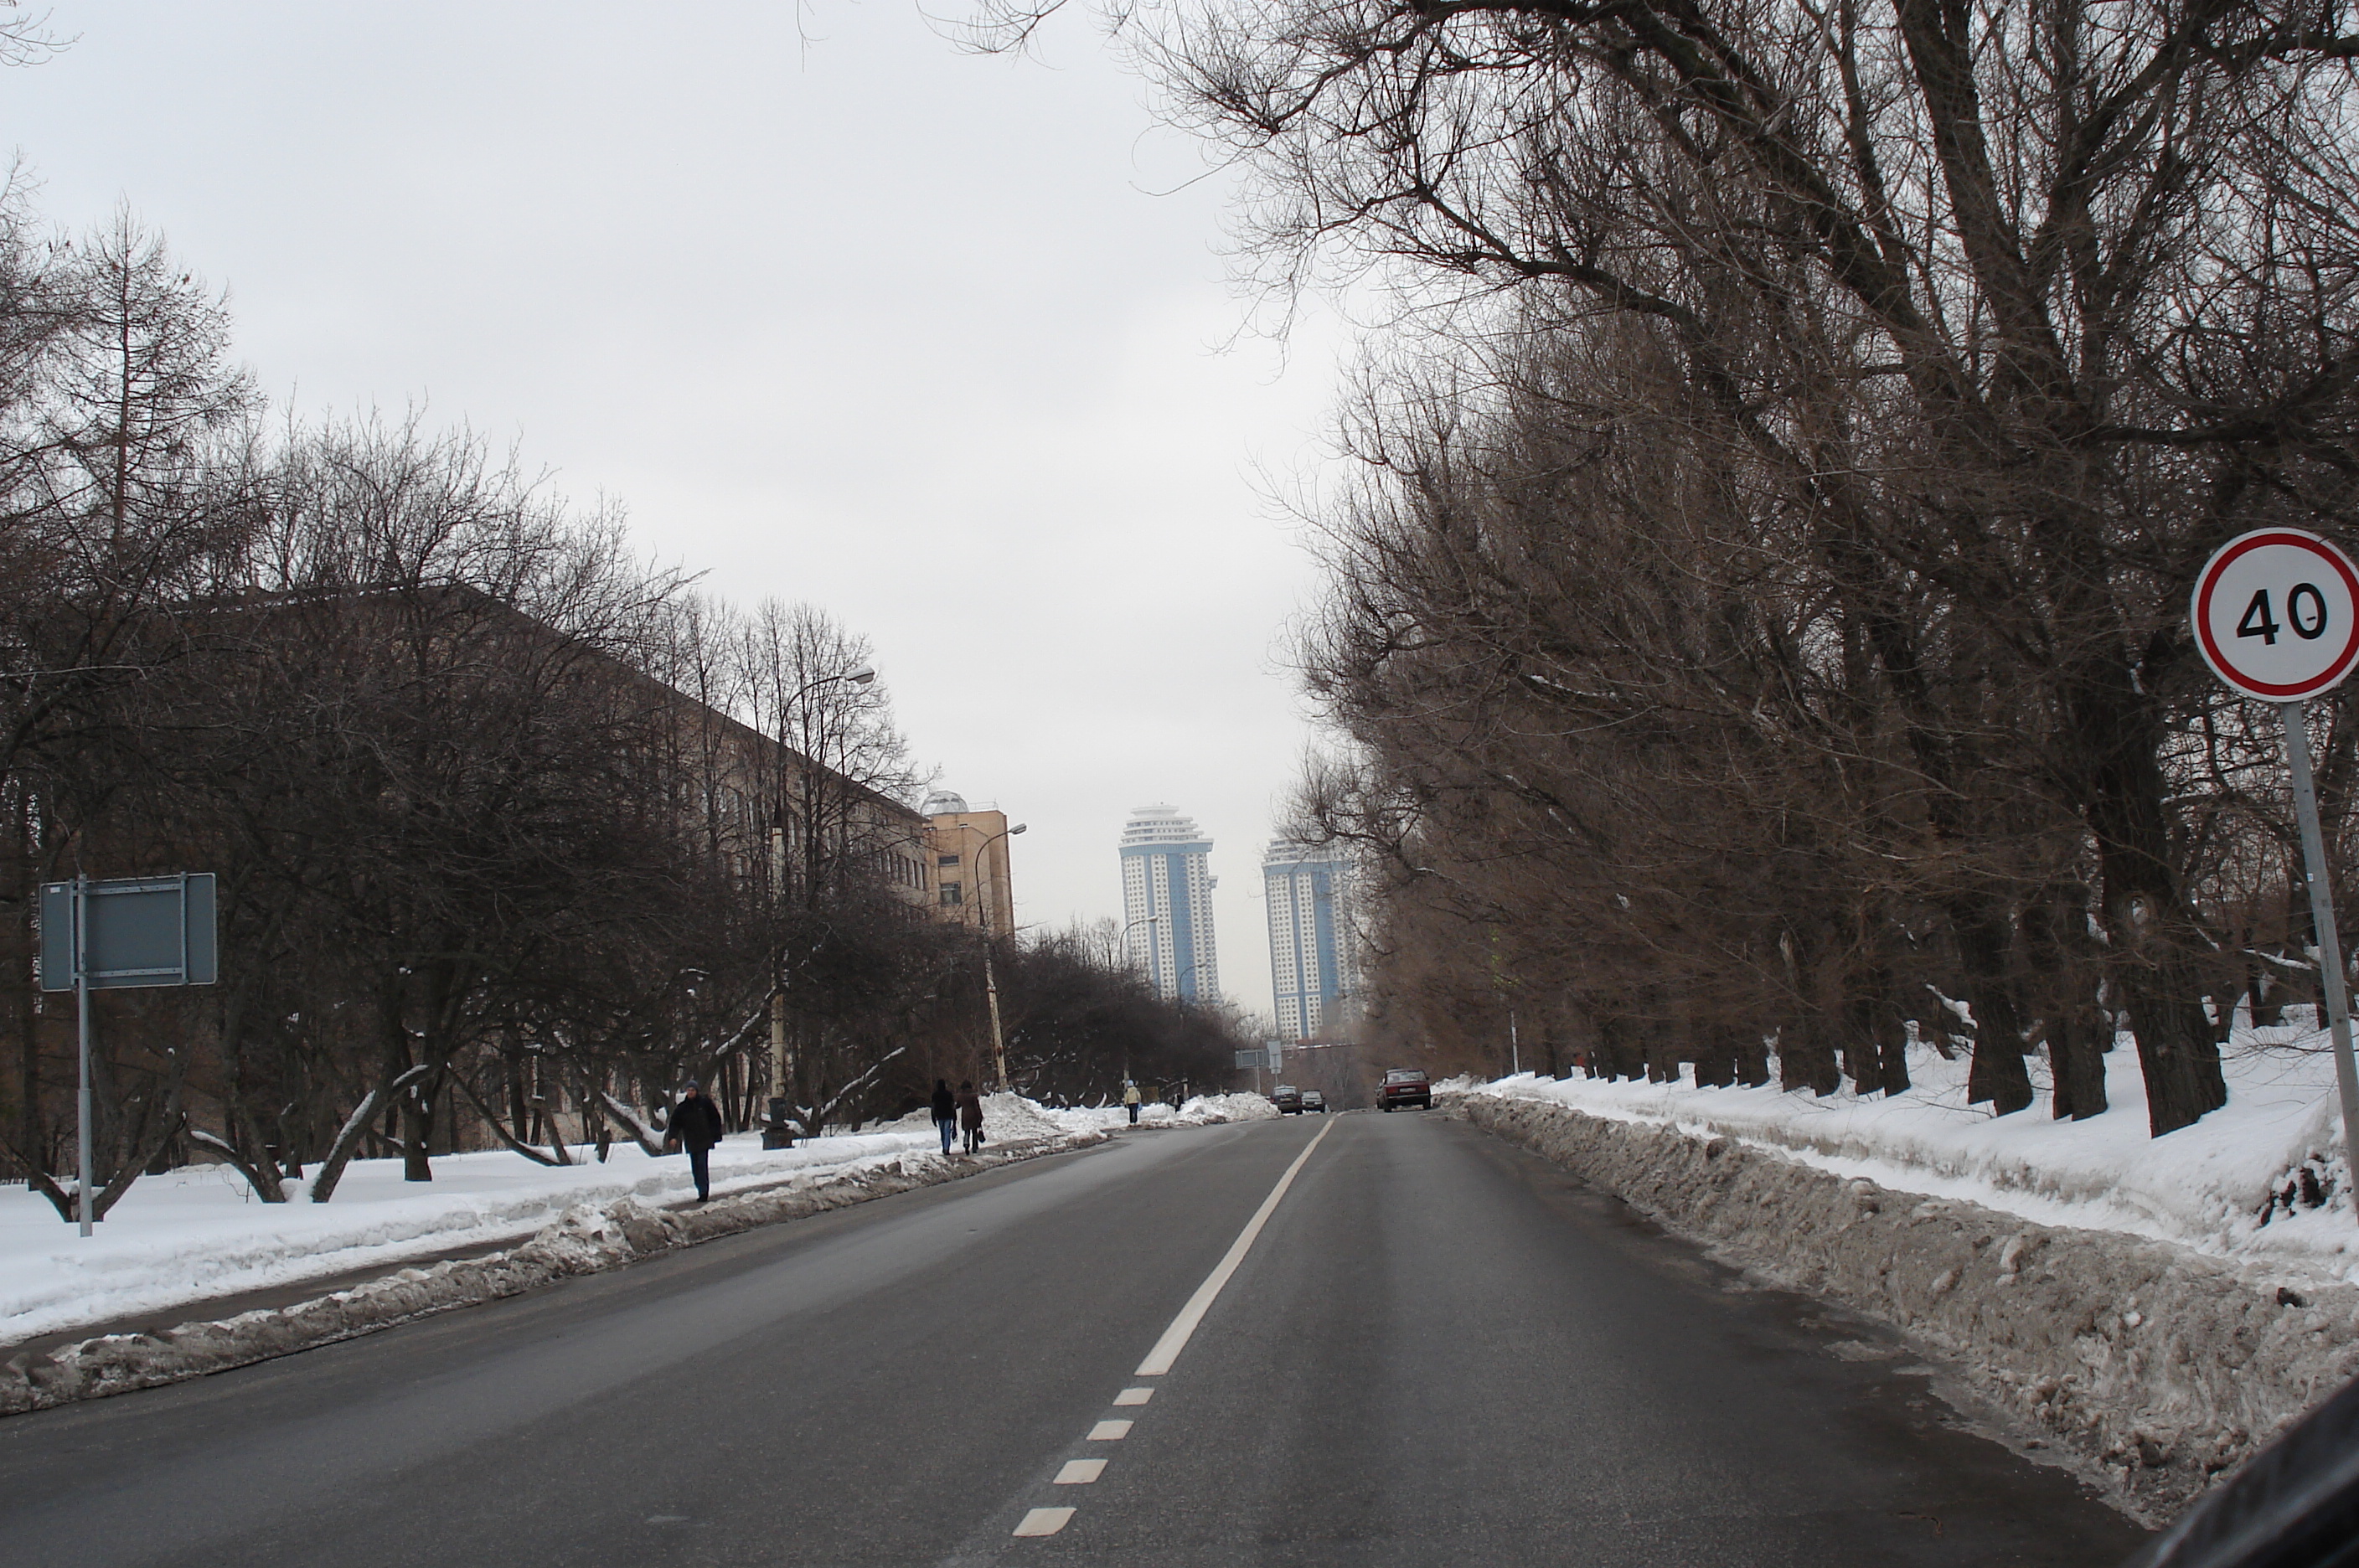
[2277, 614]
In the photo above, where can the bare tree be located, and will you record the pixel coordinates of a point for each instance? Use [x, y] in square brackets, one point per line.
[2014, 313]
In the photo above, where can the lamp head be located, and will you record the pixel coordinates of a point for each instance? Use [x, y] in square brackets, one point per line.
[862, 676]
[1016, 829]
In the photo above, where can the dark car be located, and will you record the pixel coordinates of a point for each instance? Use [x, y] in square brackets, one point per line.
[1405, 1086]
[1288, 1099]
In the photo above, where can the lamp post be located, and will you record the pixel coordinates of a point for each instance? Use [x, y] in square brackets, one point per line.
[776, 1135]
[1142, 921]
[1125, 939]
[990, 978]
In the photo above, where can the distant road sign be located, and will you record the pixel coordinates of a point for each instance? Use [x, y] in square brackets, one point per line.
[142, 931]
[2276, 613]
[1253, 1058]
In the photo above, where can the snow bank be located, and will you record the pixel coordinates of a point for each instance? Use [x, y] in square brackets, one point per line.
[2121, 1294]
[2155, 1366]
[1203, 1110]
[1008, 1116]
[2215, 1186]
[1207, 1109]
[587, 1238]
[199, 1231]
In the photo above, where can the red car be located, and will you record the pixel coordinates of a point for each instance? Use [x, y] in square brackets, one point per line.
[1405, 1086]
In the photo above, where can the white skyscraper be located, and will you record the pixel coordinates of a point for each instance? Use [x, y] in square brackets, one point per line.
[1307, 896]
[1166, 904]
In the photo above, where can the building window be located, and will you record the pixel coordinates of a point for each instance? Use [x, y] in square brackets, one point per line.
[946, 860]
[950, 893]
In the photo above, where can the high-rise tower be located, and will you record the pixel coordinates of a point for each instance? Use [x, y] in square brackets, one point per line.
[1166, 904]
[1307, 895]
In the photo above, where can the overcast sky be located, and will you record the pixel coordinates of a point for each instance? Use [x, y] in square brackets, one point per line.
[939, 342]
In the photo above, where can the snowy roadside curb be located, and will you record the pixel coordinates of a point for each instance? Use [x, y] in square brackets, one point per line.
[2157, 1366]
[588, 1239]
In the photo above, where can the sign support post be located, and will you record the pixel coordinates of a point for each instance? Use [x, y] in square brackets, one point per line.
[125, 930]
[2322, 914]
[2276, 614]
[82, 1020]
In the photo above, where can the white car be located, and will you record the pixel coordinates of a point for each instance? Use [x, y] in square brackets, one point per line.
[1312, 1100]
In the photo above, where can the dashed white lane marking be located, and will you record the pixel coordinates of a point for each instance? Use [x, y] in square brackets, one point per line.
[1045, 1521]
[1133, 1396]
[1081, 1472]
[1110, 1431]
[1175, 1338]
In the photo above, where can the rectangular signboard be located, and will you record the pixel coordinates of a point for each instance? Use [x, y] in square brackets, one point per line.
[1254, 1058]
[1276, 1055]
[144, 931]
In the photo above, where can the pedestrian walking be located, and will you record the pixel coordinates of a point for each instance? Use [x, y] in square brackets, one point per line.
[1130, 1098]
[696, 1127]
[970, 1116]
[945, 1112]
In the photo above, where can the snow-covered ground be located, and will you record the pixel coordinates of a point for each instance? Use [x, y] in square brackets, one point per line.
[200, 1232]
[2206, 1186]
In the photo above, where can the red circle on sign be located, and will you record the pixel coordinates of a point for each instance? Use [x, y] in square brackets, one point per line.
[2226, 668]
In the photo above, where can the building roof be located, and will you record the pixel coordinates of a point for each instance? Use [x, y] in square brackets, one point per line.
[1152, 826]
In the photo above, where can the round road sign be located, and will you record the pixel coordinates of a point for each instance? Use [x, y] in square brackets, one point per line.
[2277, 614]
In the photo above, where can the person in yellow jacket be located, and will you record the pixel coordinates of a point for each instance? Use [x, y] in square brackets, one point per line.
[1130, 1098]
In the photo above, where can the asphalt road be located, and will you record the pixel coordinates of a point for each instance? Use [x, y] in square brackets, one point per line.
[1436, 1350]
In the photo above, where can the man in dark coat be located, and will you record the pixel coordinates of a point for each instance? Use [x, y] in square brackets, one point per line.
[945, 1112]
[696, 1127]
[970, 1114]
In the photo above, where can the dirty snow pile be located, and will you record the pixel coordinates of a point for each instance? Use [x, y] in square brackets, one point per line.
[2232, 1185]
[1206, 1109]
[1202, 1110]
[1008, 1116]
[1109, 1118]
[200, 1232]
[585, 1239]
[2155, 1308]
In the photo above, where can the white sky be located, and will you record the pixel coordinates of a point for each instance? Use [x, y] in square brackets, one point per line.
[932, 341]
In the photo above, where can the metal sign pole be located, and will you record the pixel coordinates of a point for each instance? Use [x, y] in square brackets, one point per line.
[2321, 915]
[81, 1015]
[156, 930]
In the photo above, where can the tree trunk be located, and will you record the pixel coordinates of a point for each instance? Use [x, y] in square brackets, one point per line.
[1752, 1059]
[416, 1107]
[1715, 1061]
[1805, 1060]
[1996, 1075]
[2159, 953]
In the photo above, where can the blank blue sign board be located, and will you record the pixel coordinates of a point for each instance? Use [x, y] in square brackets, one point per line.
[144, 931]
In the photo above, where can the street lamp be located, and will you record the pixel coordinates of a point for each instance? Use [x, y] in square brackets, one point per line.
[991, 979]
[1124, 940]
[775, 1135]
[1124, 937]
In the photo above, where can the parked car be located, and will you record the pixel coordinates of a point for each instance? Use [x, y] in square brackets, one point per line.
[1312, 1100]
[1405, 1086]
[1288, 1099]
